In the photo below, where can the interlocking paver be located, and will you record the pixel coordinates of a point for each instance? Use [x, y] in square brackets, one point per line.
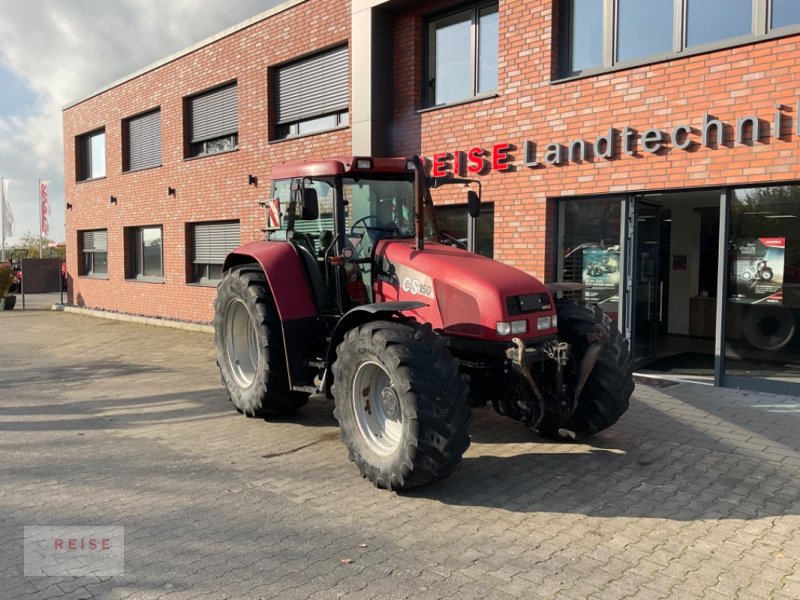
[694, 493]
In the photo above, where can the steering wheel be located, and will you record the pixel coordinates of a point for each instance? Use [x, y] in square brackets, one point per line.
[389, 228]
[362, 220]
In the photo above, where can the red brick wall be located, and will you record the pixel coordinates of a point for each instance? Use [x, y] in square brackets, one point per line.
[729, 83]
[209, 188]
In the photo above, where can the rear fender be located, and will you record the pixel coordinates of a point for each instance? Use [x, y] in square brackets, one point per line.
[356, 317]
[287, 282]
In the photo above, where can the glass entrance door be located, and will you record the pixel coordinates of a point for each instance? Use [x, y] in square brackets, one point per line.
[646, 291]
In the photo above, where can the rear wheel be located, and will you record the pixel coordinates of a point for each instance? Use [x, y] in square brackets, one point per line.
[607, 392]
[401, 404]
[249, 344]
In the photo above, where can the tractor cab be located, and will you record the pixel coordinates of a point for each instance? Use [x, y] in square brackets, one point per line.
[337, 213]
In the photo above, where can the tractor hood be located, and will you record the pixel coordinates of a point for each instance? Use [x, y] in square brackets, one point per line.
[467, 294]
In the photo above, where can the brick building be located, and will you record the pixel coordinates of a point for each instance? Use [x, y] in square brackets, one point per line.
[647, 150]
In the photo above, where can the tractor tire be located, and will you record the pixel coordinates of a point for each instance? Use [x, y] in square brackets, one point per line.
[607, 392]
[249, 344]
[401, 404]
[768, 327]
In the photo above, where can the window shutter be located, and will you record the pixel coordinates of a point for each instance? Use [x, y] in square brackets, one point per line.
[313, 87]
[144, 141]
[213, 241]
[214, 114]
[95, 240]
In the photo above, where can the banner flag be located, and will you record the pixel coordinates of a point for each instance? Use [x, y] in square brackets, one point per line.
[45, 208]
[8, 217]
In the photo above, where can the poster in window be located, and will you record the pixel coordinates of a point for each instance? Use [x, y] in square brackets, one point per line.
[757, 270]
[601, 277]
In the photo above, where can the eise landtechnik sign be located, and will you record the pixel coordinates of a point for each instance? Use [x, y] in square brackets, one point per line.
[711, 133]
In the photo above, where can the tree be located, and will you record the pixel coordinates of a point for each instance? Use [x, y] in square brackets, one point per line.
[30, 243]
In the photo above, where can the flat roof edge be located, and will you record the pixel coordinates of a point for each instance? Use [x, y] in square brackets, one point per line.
[186, 51]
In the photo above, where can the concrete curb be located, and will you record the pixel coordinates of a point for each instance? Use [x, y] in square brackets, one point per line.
[100, 314]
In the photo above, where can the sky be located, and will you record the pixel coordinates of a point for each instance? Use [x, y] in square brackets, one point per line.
[53, 52]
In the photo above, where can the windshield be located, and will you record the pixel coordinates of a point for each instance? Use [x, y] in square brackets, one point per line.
[383, 205]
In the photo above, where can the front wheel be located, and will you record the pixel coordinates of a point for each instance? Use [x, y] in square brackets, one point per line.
[401, 404]
[607, 392]
[249, 344]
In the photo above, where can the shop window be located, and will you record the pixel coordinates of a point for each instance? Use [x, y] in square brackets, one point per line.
[214, 121]
[589, 250]
[94, 246]
[313, 94]
[91, 155]
[763, 311]
[601, 34]
[211, 243]
[458, 228]
[462, 54]
[144, 246]
[142, 136]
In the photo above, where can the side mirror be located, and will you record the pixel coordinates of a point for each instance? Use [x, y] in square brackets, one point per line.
[310, 209]
[473, 204]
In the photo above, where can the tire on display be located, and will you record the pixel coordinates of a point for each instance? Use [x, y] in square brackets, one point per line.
[607, 392]
[768, 327]
[249, 345]
[401, 404]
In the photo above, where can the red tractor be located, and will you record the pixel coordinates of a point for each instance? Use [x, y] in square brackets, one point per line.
[357, 297]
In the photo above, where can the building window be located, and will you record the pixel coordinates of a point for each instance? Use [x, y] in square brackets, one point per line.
[211, 243]
[144, 245]
[710, 21]
[143, 141]
[91, 155]
[784, 13]
[457, 228]
[462, 54]
[214, 121]
[636, 41]
[601, 34]
[313, 94]
[95, 252]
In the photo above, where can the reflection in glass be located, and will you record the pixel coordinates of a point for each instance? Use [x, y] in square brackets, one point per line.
[645, 28]
[586, 34]
[98, 151]
[487, 50]
[453, 222]
[764, 284]
[589, 246]
[453, 51]
[151, 252]
[784, 13]
[713, 20]
[100, 263]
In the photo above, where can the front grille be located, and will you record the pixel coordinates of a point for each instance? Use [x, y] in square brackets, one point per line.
[528, 303]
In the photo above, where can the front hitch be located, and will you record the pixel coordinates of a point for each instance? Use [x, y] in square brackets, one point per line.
[597, 339]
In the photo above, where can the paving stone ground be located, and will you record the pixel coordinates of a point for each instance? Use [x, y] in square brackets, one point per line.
[695, 493]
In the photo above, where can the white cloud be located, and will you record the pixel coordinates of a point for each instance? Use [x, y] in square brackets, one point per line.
[63, 50]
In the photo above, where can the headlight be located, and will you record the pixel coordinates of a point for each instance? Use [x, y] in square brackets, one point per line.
[514, 327]
[544, 323]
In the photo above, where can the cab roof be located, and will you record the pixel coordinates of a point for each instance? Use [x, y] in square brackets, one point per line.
[339, 166]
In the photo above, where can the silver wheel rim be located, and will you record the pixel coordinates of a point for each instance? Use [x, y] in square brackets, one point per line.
[241, 347]
[377, 408]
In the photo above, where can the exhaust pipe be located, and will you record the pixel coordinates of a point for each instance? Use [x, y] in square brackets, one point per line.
[419, 195]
